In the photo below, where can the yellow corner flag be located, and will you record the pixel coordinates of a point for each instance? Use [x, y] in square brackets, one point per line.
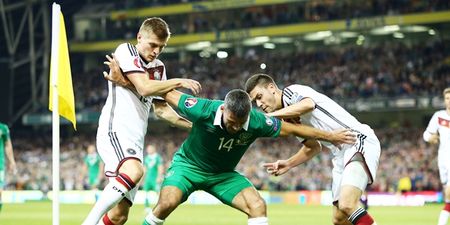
[60, 74]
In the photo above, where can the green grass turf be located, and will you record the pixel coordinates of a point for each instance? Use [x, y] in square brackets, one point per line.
[39, 213]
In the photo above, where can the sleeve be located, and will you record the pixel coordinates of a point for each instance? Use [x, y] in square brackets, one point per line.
[295, 93]
[432, 128]
[266, 126]
[128, 58]
[5, 136]
[194, 108]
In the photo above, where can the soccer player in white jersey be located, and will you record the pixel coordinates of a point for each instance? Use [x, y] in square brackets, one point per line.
[124, 118]
[438, 131]
[354, 166]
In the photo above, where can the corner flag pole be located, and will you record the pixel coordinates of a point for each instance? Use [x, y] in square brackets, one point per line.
[56, 11]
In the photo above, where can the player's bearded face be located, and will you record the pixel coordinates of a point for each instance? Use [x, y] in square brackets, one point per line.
[232, 123]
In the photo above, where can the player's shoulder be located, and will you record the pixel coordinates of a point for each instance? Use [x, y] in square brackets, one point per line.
[3, 126]
[127, 48]
[442, 113]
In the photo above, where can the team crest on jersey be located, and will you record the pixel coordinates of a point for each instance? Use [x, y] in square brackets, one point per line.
[190, 102]
[136, 62]
[244, 138]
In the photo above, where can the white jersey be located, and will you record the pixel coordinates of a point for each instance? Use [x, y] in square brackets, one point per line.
[124, 117]
[327, 115]
[440, 124]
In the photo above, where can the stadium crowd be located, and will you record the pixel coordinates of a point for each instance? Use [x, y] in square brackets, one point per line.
[391, 69]
[262, 16]
[403, 154]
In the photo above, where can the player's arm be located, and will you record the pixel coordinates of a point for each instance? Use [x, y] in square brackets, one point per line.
[337, 137]
[173, 97]
[10, 155]
[295, 110]
[431, 134]
[146, 87]
[309, 149]
[165, 112]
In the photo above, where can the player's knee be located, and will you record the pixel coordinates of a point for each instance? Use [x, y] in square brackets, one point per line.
[347, 207]
[168, 205]
[257, 208]
[118, 219]
[132, 168]
[338, 221]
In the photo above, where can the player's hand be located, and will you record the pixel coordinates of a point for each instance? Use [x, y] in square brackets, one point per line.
[343, 136]
[190, 84]
[277, 168]
[115, 74]
[434, 139]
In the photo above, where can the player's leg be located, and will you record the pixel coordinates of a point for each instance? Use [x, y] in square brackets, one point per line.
[2, 184]
[237, 191]
[445, 177]
[251, 203]
[117, 215]
[364, 200]
[147, 188]
[176, 187]
[129, 174]
[354, 181]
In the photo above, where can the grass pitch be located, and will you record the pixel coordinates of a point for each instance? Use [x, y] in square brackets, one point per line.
[40, 213]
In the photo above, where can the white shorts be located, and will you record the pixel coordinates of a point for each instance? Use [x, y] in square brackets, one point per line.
[114, 149]
[444, 168]
[369, 146]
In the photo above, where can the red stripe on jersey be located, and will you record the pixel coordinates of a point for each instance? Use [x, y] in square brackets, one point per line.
[444, 122]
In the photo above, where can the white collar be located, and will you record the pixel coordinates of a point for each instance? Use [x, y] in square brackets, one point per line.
[218, 118]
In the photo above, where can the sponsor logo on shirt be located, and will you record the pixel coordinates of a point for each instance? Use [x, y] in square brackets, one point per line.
[190, 102]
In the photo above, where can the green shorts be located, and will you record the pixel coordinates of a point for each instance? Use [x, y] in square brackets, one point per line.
[2, 179]
[151, 185]
[188, 178]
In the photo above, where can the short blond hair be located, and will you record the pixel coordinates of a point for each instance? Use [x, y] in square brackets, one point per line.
[446, 91]
[157, 26]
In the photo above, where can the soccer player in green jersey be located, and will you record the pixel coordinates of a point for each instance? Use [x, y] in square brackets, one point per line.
[5, 148]
[92, 167]
[154, 169]
[221, 133]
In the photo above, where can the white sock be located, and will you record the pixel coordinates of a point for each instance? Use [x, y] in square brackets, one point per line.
[110, 196]
[151, 219]
[258, 221]
[443, 217]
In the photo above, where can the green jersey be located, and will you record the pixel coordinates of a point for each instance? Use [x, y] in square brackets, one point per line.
[209, 146]
[4, 137]
[93, 165]
[151, 163]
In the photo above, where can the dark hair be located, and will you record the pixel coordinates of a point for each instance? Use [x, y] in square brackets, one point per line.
[156, 25]
[238, 102]
[258, 79]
